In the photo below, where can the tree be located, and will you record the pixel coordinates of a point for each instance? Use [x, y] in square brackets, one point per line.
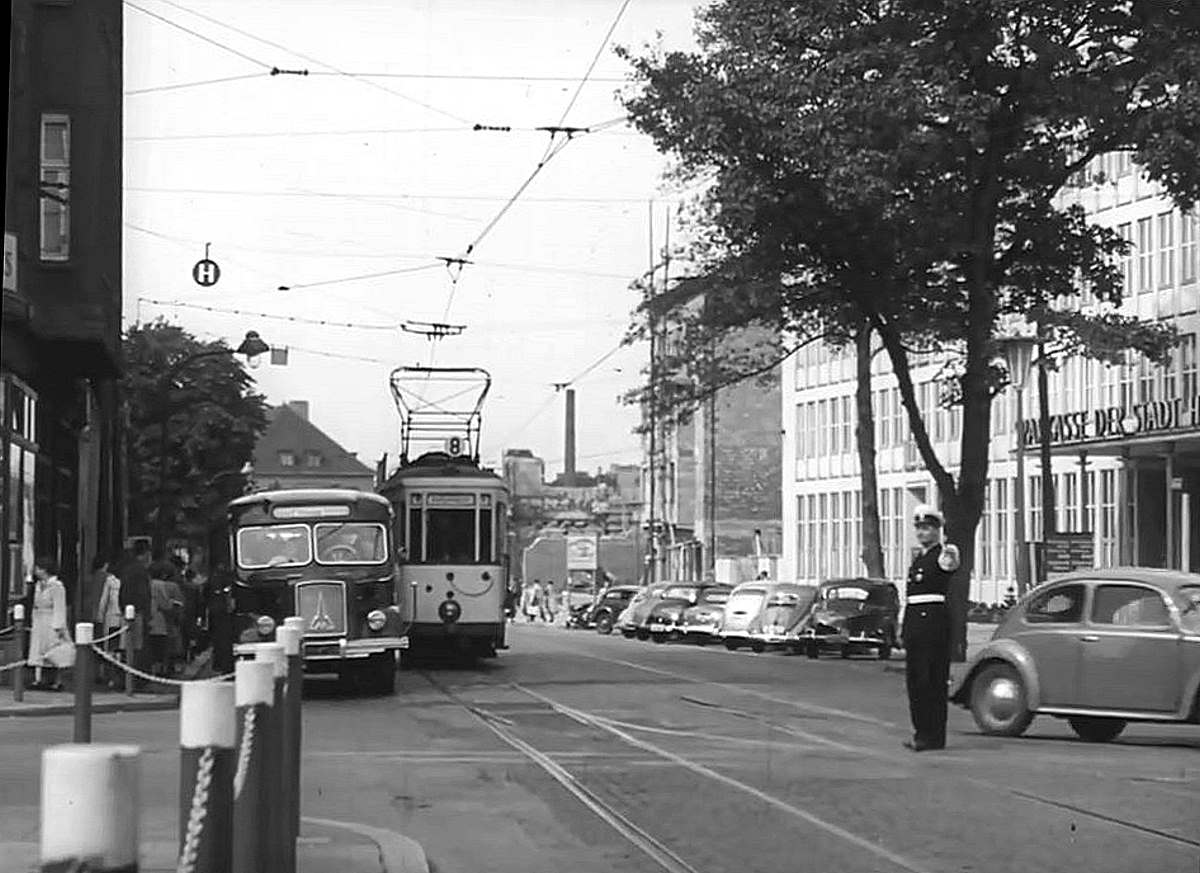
[904, 163]
[213, 420]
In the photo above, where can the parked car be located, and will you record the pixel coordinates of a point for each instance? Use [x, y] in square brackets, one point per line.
[610, 603]
[1100, 648]
[665, 621]
[742, 617]
[629, 622]
[700, 623]
[850, 616]
[784, 608]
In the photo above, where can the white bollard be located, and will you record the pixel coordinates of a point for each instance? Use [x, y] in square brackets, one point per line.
[254, 693]
[90, 807]
[207, 739]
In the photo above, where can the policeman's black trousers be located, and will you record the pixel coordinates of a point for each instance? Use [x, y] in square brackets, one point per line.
[927, 670]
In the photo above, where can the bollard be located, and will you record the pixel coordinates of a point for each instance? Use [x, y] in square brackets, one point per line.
[295, 718]
[127, 639]
[277, 826]
[19, 633]
[254, 690]
[83, 682]
[89, 808]
[207, 731]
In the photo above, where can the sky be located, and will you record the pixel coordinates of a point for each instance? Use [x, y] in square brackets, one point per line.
[369, 165]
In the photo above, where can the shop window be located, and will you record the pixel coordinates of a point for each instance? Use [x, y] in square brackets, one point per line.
[54, 185]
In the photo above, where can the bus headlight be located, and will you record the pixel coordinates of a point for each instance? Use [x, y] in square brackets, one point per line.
[265, 625]
[376, 619]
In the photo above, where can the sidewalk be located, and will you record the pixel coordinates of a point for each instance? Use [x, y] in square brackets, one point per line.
[320, 849]
[44, 703]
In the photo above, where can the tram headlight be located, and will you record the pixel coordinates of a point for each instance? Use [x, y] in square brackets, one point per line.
[449, 611]
[265, 625]
[376, 619]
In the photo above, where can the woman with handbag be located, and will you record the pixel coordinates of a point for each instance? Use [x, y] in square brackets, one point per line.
[48, 630]
[109, 615]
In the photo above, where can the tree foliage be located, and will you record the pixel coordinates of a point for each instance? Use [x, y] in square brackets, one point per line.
[214, 419]
[906, 162]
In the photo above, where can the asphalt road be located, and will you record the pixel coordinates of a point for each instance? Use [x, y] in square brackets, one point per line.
[579, 753]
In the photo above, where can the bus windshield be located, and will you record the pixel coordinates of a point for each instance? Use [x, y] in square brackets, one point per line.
[351, 542]
[285, 545]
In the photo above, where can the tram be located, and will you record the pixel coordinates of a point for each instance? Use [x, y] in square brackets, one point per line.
[451, 517]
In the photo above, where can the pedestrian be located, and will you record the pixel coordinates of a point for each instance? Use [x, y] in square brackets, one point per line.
[927, 631]
[219, 609]
[548, 603]
[533, 601]
[158, 626]
[108, 615]
[175, 619]
[48, 628]
[135, 591]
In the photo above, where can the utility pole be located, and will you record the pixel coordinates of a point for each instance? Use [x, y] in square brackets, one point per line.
[1049, 522]
[653, 539]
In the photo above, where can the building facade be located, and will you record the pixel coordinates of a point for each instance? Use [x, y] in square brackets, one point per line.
[1125, 439]
[60, 420]
[294, 453]
[717, 492]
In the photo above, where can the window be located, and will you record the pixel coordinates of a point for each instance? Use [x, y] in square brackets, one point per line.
[1002, 534]
[1108, 517]
[899, 419]
[1189, 613]
[800, 540]
[835, 427]
[1070, 502]
[1145, 255]
[451, 536]
[1129, 605]
[1166, 250]
[848, 415]
[1125, 231]
[835, 534]
[351, 543]
[848, 547]
[287, 459]
[1187, 365]
[1189, 251]
[801, 436]
[54, 186]
[1034, 529]
[984, 535]
[285, 545]
[485, 530]
[1062, 604]
[313, 459]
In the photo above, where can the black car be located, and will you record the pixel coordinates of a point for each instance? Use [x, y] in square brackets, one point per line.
[849, 616]
[609, 603]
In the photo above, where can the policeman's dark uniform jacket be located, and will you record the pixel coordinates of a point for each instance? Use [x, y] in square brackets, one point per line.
[926, 634]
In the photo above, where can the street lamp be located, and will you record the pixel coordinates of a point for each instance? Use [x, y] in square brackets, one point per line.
[251, 346]
[1018, 355]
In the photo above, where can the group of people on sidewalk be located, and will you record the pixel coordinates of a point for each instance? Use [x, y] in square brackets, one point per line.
[169, 600]
[540, 602]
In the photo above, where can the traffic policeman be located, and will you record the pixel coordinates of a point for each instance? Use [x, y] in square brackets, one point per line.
[926, 630]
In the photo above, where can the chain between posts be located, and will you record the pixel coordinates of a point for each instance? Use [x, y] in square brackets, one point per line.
[150, 677]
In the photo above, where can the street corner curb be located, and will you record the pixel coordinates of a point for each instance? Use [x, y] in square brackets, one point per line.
[167, 702]
[397, 853]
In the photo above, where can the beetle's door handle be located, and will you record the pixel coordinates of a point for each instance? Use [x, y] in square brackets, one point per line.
[1090, 638]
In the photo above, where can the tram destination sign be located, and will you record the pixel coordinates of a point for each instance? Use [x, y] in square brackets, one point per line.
[1178, 414]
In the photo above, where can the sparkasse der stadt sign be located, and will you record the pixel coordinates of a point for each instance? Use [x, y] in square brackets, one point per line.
[1116, 422]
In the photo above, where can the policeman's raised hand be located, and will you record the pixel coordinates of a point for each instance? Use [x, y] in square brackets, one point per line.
[949, 560]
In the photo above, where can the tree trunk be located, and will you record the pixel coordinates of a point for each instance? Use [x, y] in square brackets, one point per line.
[872, 548]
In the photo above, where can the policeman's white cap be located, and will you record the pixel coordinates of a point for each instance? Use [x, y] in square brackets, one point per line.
[926, 514]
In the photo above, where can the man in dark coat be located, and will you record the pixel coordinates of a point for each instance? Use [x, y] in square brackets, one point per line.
[134, 574]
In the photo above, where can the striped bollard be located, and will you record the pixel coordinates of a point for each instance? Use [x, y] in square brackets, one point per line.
[254, 695]
[295, 717]
[277, 830]
[83, 682]
[19, 633]
[90, 808]
[207, 733]
[127, 639]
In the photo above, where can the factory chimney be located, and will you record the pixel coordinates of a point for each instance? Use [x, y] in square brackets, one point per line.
[569, 440]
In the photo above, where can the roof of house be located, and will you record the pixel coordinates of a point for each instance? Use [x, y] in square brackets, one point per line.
[288, 431]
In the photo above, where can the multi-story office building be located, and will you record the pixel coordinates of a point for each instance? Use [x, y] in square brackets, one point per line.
[1125, 439]
[60, 349]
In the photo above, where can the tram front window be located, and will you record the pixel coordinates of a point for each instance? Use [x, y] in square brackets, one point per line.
[351, 543]
[450, 536]
[276, 546]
